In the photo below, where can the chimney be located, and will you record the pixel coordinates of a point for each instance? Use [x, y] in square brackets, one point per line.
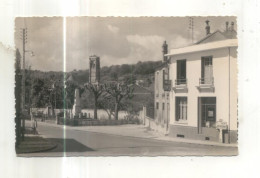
[232, 26]
[226, 25]
[165, 50]
[207, 27]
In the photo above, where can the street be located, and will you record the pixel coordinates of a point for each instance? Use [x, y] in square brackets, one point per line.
[74, 142]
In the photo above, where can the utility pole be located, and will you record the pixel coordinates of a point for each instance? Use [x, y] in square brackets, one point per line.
[24, 40]
[191, 27]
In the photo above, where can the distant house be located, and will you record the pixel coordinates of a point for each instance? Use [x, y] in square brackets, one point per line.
[162, 88]
[139, 90]
[70, 78]
[201, 102]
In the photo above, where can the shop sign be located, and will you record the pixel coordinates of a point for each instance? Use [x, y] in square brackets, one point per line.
[221, 125]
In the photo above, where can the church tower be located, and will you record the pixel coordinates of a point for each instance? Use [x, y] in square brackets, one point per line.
[165, 51]
[94, 69]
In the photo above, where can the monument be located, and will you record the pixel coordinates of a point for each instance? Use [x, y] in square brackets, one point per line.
[76, 110]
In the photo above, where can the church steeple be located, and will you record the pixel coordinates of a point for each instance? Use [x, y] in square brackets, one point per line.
[94, 69]
[165, 50]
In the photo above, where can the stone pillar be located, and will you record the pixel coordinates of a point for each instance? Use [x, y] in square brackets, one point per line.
[144, 114]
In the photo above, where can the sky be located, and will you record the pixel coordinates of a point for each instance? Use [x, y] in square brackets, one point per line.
[116, 40]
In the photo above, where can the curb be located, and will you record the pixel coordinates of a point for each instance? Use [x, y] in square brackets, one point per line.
[40, 150]
[54, 145]
[154, 137]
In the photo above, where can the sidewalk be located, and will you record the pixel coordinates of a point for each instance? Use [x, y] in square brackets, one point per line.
[138, 131]
[34, 143]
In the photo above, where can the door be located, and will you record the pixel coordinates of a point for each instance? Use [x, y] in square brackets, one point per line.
[209, 115]
[199, 116]
[168, 117]
[206, 113]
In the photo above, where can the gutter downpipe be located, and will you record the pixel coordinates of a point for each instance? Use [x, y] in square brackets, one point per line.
[229, 95]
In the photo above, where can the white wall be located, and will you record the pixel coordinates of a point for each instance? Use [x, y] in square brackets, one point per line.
[221, 83]
[102, 114]
[161, 97]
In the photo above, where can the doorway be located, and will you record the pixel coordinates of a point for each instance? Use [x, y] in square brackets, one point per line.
[168, 117]
[206, 113]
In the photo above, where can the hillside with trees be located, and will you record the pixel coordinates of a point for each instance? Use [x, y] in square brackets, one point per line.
[46, 88]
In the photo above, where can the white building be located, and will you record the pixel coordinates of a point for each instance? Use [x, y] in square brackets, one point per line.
[203, 95]
[162, 95]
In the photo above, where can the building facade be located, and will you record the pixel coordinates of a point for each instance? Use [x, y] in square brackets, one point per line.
[196, 89]
[204, 93]
[162, 94]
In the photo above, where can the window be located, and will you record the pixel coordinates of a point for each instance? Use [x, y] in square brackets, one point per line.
[206, 70]
[181, 109]
[157, 105]
[157, 82]
[166, 81]
[163, 106]
[166, 73]
[181, 72]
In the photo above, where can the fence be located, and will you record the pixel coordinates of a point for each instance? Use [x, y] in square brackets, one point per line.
[45, 114]
[91, 122]
[150, 122]
[150, 112]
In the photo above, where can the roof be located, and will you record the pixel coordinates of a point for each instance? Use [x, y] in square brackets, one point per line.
[204, 47]
[218, 36]
[214, 40]
[163, 65]
[70, 78]
[139, 90]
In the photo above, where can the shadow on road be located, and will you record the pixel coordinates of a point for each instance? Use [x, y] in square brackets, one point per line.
[68, 145]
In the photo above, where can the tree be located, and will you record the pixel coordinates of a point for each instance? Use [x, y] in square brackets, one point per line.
[45, 92]
[106, 103]
[96, 90]
[18, 85]
[114, 76]
[40, 93]
[118, 92]
[129, 79]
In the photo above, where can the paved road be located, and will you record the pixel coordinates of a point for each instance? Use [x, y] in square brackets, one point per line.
[84, 143]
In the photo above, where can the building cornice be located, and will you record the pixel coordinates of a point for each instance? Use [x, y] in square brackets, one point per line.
[204, 47]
